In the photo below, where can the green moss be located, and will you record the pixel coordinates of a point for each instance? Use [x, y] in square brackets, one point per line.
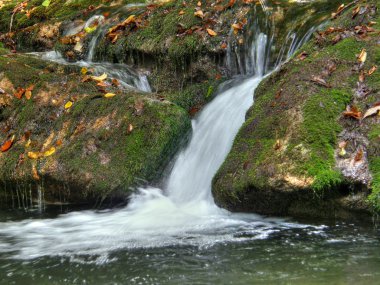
[320, 129]
[374, 197]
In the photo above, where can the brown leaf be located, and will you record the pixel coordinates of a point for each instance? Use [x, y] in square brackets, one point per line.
[139, 107]
[19, 93]
[303, 55]
[372, 111]
[359, 155]
[320, 81]
[372, 70]
[129, 129]
[353, 112]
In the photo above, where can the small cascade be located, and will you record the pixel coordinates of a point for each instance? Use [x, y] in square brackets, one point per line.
[128, 77]
[98, 34]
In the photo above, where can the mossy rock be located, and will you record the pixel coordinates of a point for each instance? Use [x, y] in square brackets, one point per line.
[104, 147]
[286, 158]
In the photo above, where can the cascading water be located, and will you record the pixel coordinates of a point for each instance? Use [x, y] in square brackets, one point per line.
[184, 213]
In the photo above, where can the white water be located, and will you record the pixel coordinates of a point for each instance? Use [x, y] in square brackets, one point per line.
[128, 77]
[183, 213]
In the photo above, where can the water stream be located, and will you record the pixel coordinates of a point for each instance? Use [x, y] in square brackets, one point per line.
[177, 235]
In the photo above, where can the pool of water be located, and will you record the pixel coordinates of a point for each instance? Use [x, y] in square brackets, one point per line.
[291, 253]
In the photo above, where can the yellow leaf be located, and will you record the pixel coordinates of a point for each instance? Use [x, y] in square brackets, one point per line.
[99, 78]
[129, 20]
[199, 14]
[84, 70]
[28, 94]
[362, 56]
[34, 155]
[50, 151]
[211, 32]
[28, 143]
[109, 95]
[68, 104]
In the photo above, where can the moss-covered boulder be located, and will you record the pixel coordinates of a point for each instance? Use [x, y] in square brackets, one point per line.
[305, 149]
[73, 141]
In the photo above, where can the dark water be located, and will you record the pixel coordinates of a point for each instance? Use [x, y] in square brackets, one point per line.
[339, 253]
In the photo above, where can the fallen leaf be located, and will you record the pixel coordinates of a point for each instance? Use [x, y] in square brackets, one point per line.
[199, 14]
[353, 112]
[139, 107]
[362, 56]
[372, 111]
[109, 95]
[84, 70]
[129, 129]
[99, 78]
[319, 80]
[68, 105]
[7, 145]
[303, 55]
[115, 82]
[49, 152]
[19, 93]
[211, 32]
[372, 70]
[35, 172]
[46, 3]
[34, 154]
[342, 146]
[359, 155]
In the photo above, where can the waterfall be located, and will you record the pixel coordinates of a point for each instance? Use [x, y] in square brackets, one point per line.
[183, 213]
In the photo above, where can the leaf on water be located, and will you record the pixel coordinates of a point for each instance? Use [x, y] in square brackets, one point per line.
[49, 152]
[109, 95]
[211, 32]
[7, 144]
[91, 29]
[68, 105]
[99, 78]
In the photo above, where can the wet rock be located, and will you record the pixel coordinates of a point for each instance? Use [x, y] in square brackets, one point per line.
[297, 154]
